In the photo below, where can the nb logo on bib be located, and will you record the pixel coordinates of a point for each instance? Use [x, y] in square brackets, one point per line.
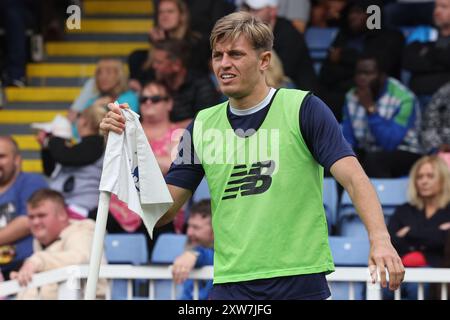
[251, 181]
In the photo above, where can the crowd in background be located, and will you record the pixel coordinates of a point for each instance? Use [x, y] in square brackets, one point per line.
[390, 120]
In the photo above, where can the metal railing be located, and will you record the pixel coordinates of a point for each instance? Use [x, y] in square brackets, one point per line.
[71, 280]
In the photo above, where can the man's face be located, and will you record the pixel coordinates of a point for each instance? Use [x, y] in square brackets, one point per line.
[168, 15]
[237, 67]
[9, 162]
[200, 231]
[442, 13]
[357, 20]
[367, 73]
[162, 65]
[47, 220]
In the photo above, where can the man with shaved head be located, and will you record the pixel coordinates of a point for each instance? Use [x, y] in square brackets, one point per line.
[15, 189]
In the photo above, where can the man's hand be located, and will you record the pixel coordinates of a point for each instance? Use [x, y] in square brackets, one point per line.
[182, 266]
[25, 274]
[114, 120]
[382, 255]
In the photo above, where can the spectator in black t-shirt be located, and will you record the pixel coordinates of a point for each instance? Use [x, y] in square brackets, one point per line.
[191, 90]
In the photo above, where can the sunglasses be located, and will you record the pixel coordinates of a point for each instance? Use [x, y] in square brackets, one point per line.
[153, 99]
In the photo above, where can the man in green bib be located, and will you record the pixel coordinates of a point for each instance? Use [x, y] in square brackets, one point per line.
[263, 152]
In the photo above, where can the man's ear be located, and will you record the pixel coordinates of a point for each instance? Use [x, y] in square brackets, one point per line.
[265, 57]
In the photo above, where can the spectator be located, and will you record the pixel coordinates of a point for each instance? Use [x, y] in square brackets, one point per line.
[155, 106]
[75, 171]
[15, 189]
[419, 228]
[191, 90]
[336, 74]
[289, 44]
[200, 251]
[173, 22]
[381, 121]
[429, 60]
[436, 122]
[296, 11]
[58, 242]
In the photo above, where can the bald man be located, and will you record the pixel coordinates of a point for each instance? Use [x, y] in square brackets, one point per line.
[15, 189]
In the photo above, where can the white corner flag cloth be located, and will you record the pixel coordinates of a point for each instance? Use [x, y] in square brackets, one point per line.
[131, 172]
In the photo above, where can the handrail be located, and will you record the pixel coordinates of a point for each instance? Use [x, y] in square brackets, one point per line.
[75, 273]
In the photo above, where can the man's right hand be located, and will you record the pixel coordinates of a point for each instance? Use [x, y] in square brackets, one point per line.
[114, 120]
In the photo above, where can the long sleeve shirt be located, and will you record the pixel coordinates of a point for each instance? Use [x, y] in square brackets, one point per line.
[424, 236]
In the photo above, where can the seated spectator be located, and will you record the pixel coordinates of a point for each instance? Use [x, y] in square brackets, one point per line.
[381, 121]
[419, 228]
[288, 43]
[200, 251]
[58, 242]
[110, 84]
[173, 22]
[75, 170]
[191, 90]
[155, 107]
[428, 59]
[436, 122]
[296, 11]
[353, 38]
[15, 189]
[275, 76]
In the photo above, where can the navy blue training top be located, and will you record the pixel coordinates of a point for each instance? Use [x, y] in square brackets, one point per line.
[323, 136]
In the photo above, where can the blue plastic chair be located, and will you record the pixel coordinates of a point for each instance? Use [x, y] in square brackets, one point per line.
[127, 249]
[348, 252]
[391, 193]
[202, 191]
[319, 40]
[168, 246]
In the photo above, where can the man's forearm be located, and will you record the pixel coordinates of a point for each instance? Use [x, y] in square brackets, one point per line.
[17, 229]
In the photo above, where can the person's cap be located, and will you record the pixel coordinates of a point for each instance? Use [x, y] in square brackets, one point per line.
[59, 127]
[259, 4]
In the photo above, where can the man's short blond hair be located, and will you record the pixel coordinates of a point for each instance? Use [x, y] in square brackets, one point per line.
[240, 23]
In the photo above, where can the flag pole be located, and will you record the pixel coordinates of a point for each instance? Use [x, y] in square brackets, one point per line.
[97, 245]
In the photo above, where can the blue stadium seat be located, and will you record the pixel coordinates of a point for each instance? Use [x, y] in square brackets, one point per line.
[348, 252]
[319, 40]
[391, 193]
[127, 249]
[330, 200]
[202, 191]
[168, 246]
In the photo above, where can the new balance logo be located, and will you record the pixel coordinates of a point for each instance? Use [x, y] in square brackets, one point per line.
[249, 182]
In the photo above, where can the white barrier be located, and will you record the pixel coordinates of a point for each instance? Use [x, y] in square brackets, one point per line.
[72, 278]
